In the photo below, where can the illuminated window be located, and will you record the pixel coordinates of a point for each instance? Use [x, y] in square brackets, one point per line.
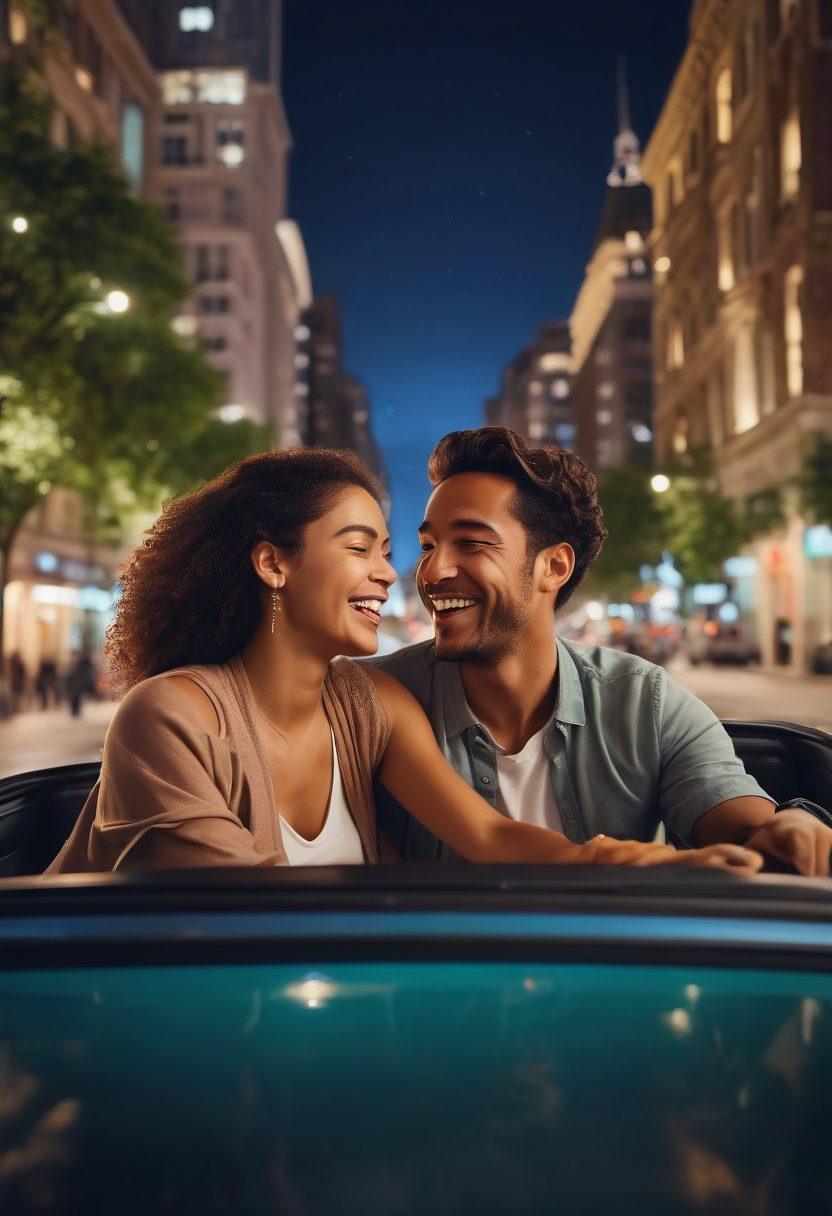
[725, 248]
[724, 117]
[793, 327]
[18, 30]
[790, 156]
[212, 86]
[229, 142]
[604, 417]
[554, 361]
[633, 241]
[680, 436]
[196, 19]
[565, 433]
[537, 430]
[746, 399]
[560, 388]
[675, 345]
[132, 144]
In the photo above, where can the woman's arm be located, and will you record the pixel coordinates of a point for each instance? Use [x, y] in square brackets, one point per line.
[416, 773]
[163, 797]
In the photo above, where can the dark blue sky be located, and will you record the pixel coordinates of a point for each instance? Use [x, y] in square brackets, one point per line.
[448, 175]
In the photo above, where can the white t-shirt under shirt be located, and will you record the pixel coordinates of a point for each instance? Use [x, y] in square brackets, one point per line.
[524, 785]
[338, 842]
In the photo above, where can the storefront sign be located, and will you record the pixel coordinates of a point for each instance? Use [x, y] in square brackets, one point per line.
[817, 541]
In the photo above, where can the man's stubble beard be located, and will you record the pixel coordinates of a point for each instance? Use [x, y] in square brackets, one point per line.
[494, 639]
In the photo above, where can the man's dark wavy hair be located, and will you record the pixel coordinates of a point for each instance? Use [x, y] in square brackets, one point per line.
[190, 593]
[556, 497]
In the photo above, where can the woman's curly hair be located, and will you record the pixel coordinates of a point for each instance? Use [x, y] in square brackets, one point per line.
[189, 593]
[556, 497]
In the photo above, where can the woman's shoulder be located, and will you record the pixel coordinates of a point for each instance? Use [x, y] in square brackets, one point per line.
[183, 696]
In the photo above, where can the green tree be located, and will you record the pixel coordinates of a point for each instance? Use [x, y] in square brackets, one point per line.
[636, 518]
[111, 404]
[704, 528]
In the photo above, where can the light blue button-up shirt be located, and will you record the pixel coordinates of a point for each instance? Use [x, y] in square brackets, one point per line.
[628, 747]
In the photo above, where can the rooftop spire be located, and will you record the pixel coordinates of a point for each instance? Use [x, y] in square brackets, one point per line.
[626, 162]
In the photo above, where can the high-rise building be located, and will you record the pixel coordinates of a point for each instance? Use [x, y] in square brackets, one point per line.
[337, 403]
[740, 162]
[535, 393]
[220, 150]
[610, 321]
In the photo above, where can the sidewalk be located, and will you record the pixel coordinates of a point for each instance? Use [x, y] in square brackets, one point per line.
[35, 740]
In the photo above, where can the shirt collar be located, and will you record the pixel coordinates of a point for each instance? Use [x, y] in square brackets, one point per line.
[459, 716]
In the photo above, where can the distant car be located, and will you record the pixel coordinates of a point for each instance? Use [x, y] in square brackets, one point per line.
[718, 643]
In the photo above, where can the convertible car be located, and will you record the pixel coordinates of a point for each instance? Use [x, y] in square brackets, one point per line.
[414, 1039]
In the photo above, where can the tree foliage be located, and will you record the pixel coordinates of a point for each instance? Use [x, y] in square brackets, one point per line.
[816, 482]
[113, 405]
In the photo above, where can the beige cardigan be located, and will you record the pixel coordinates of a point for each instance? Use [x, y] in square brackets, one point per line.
[172, 795]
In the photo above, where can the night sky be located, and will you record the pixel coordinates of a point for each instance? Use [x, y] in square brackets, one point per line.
[448, 174]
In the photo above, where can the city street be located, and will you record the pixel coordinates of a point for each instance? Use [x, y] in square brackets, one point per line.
[35, 740]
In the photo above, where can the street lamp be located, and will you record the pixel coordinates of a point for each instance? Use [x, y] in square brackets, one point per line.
[20, 224]
[117, 301]
[659, 483]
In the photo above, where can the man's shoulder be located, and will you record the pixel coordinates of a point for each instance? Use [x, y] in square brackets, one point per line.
[411, 666]
[605, 664]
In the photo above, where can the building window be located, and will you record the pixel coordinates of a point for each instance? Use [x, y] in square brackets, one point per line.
[790, 156]
[823, 20]
[213, 86]
[746, 401]
[132, 145]
[214, 304]
[725, 251]
[198, 19]
[18, 29]
[724, 116]
[679, 442]
[175, 150]
[676, 185]
[565, 433]
[559, 388]
[793, 330]
[675, 345]
[172, 206]
[229, 142]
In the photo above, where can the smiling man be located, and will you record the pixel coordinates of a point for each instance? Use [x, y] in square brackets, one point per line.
[584, 740]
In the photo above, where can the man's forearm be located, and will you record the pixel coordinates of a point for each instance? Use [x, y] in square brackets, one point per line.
[732, 822]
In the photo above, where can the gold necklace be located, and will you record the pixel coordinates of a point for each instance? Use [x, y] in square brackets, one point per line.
[278, 731]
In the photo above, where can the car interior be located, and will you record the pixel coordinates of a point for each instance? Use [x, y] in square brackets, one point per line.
[38, 810]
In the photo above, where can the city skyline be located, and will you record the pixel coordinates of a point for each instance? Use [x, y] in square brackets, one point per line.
[459, 216]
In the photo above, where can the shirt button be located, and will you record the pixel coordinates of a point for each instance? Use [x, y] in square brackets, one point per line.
[485, 779]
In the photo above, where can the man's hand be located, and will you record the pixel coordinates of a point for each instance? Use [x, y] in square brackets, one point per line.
[796, 838]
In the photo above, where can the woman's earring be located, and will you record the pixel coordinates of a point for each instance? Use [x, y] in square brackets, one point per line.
[275, 606]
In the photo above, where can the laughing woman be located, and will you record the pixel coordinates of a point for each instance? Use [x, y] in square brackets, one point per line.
[243, 740]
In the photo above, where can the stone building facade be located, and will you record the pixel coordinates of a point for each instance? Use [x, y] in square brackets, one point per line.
[740, 163]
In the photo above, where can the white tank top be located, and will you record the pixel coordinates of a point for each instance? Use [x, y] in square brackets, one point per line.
[338, 842]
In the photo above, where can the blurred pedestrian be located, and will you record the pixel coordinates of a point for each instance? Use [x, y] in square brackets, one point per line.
[18, 679]
[46, 683]
[80, 683]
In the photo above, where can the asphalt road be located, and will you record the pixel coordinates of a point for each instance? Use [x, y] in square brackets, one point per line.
[35, 740]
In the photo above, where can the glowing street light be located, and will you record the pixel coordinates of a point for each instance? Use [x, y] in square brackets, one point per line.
[117, 301]
[660, 483]
[20, 224]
